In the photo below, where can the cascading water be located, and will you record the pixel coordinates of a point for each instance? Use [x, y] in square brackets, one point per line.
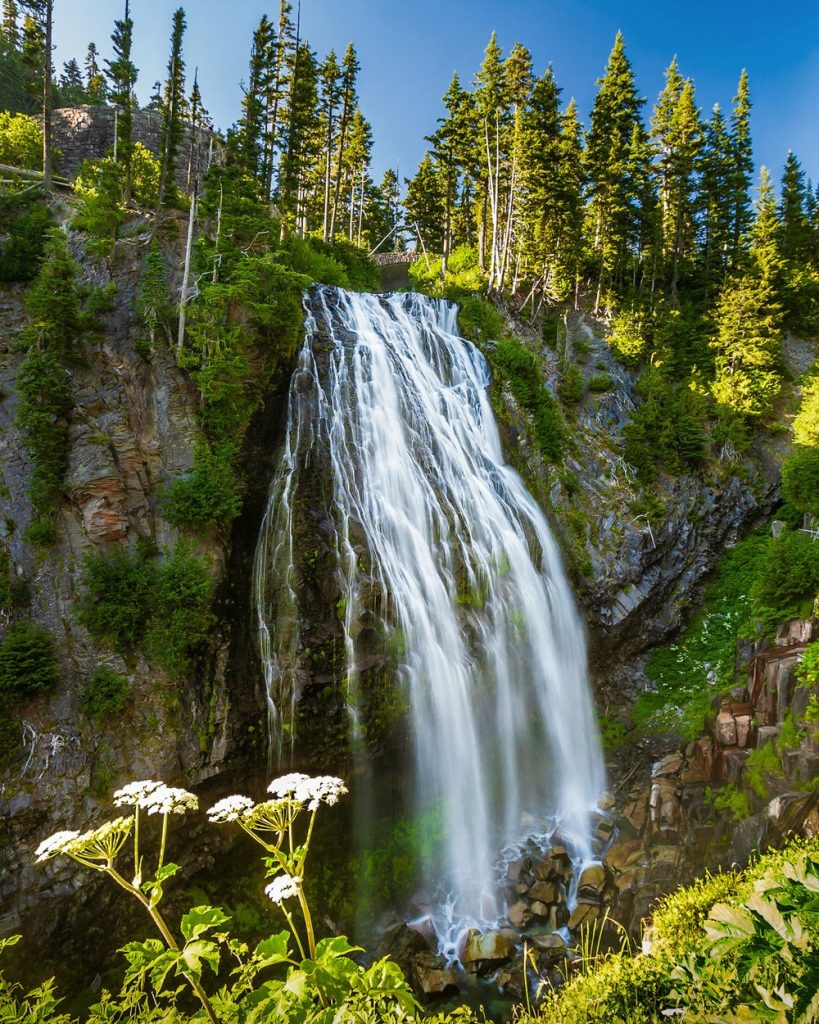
[493, 664]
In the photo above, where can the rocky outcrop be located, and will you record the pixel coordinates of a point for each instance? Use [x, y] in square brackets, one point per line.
[672, 826]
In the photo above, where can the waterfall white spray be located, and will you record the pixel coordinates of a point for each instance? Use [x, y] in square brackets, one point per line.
[494, 660]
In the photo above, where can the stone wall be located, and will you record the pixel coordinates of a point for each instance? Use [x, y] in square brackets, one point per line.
[87, 133]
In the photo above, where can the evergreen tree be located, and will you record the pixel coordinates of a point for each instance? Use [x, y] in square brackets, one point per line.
[451, 149]
[173, 109]
[385, 215]
[349, 102]
[283, 65]
[72, 88]
[330, 91]
[37, 48]
[424, 203]
[610, 153]
[490, 110]
[676, 133]
[303, 138]
[716, 169]
[251, 126]
[742, 166]
[359, 150]
[10, 29]
[96, 89]
[748, 320]
[796, 236]
[122, 74]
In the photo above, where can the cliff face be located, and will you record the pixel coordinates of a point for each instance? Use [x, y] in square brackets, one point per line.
[132, 431]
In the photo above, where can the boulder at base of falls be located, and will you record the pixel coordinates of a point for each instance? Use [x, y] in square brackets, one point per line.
[592, 882]
[431, 976]
[551, 949]
[583, 915]
[486, 950]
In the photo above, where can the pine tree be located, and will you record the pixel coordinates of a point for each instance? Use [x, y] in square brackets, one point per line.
[451, 146]
[173, 108]
[37, 49]
[10, 29]
[357, 160]
[676, 133]
[330, 91]
[122, 74]
[283, 65]
[748, 320]
[742, 166]
[349, 102]
[610, 149]
[95, 86]
[796, 236]
[251, 125]
[303, 138]
[490, 109]
[716, 168]
[424, 204]
[72, 88]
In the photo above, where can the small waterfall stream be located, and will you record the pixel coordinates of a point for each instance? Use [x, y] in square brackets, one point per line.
[393, 403]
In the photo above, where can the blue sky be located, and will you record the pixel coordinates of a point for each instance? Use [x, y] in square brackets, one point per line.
[409, 49]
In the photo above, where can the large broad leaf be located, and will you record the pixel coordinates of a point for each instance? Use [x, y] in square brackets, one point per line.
[141, 957]
[200, 920]
[273, 950]
[195, 953]
[337, 945]
[728, 927]
[162, 965]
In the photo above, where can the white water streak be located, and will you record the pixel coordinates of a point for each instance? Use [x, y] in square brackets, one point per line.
[495, 662]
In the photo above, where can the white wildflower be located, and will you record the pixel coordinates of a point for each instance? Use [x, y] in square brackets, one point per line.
[135, 793]
[102, 843]
[285, 887]
[169, 800]
[324, 789]
[58, 843]
[231, 808]
[287, 785]
[305, 789]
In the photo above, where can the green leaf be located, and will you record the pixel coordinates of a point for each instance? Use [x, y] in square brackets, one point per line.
[273, 950]
[161, 966]
[200, 920]
[194, 953]
[334, 946]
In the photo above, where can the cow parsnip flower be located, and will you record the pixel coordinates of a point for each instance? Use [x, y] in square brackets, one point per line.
[231, 808]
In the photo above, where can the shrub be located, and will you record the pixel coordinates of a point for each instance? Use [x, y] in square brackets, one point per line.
[730, 800]
[788, 579]
[210, 495]
[628, 336]
[21, 141]
[520, 368]
[101, 212]
[106, 693]
[153, 304]
[180, 610]
[807, 671]
[762, 761]
[478, 319]
[572, 384]
[800, 480]
[118, 592]
[27, 660]
[806, 422]
[599, 382]
[24, 220]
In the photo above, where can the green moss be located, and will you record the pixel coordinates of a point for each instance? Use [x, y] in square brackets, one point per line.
[519, 368]
[762, 761]
[729, 800]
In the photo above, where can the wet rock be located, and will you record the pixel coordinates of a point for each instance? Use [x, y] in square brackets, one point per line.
[592, 882]
[431, 976]
[486, 950]
[584, 915]
[551, 949]
[519, 914]
[546, 892]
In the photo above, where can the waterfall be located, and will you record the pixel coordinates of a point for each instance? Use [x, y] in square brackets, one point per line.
[438, 540]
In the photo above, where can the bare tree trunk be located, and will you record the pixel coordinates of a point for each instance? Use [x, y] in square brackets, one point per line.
[361, 207]
[217, 259]
[327, 171]
[47, 76]
[183, 292]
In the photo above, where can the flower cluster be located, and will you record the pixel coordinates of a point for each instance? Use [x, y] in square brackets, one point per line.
[284, 887]
[135, 793]
[155, 798]
[323, 789]
[58, 843]
[231, 808]
[169, 800]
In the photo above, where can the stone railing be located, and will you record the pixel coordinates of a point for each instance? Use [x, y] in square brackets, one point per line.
[385, 259]
[87, 133]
